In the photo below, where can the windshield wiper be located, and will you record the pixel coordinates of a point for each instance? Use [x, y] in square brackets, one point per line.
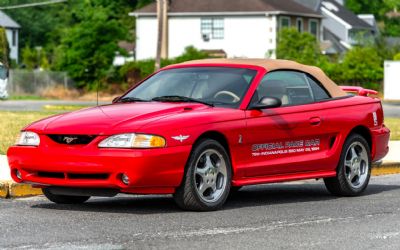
[131, 99]
[177, 98]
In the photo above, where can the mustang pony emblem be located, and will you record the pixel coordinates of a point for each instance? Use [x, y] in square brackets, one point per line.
[68, 139]
[180, 138]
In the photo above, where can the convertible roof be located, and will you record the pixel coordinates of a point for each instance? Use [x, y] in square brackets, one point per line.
[273, 64]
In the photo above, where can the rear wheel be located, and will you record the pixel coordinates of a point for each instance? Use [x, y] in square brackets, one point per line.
[64, 199]
[354, 169]
[207, 179]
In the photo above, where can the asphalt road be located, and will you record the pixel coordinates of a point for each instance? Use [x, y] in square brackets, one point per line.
[277, 216]
[390, 109]
[39, 105]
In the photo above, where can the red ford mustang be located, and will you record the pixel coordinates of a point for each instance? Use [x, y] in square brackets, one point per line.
[202, 129]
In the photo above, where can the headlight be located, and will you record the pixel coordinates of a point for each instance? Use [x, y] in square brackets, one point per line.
[28, 138]
[133, 141]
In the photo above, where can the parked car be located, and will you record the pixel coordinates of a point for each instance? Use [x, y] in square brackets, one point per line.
[201, 129]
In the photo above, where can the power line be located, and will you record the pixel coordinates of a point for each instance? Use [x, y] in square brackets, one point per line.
[32, 4]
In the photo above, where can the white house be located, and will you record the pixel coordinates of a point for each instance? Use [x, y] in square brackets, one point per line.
[341, 27]
[241, 28]
[12, 30]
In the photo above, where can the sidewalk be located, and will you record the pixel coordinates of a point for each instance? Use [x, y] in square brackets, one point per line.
[8, 188]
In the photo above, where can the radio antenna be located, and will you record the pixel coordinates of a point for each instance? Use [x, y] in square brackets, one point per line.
[97, 93]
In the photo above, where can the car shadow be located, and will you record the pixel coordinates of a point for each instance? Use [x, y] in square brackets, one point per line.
[252, 196]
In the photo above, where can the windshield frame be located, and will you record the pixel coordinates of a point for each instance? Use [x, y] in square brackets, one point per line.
[259, 72]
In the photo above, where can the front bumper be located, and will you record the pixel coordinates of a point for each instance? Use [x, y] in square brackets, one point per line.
[51, 164]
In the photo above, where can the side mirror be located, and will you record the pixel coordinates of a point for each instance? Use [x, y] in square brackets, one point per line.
[267, 102]
[115, 99]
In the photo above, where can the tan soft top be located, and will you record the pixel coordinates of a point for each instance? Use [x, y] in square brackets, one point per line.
[272, 64]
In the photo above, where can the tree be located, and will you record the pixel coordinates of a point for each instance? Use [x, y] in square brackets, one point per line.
[4, 48]
[376, 7]
[300, 47]
[392, 4]
[88, 47]
[362, 65]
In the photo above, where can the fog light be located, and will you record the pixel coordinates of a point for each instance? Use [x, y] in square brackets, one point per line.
[125, 179]
[18, 174]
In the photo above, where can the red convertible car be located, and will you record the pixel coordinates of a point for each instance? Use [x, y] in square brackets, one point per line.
[202, 129]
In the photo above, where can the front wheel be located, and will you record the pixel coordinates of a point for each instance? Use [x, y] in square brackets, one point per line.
[64, 199]
[207, 179]
[354, 169]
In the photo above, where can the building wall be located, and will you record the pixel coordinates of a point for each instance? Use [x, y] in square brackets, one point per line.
[338, 28]
[13, 46]
[146, 37]
[251, 36]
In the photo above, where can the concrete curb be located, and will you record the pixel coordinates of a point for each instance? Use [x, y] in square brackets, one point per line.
[10, 189]
[386, 168]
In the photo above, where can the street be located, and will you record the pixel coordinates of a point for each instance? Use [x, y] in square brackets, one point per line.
[300, 215]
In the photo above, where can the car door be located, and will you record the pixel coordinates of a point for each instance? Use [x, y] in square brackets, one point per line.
[293, 137]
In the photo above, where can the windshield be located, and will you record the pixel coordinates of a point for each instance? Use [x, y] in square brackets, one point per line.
[216, 86]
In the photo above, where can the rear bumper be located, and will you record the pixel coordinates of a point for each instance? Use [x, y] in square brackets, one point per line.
[380, 143]
[149, 170]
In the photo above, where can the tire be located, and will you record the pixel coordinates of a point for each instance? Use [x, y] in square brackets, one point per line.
[354, 169]
[64, 199]
[207, 180]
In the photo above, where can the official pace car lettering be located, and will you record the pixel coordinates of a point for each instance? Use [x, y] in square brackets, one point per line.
[286, 147]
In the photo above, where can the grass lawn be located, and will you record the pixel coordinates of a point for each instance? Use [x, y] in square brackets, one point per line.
[394, 125]
[12, 122]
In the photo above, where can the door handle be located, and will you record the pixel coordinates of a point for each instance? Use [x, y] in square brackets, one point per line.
[315, 121]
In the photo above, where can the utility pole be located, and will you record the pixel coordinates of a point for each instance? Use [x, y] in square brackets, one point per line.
[160, 19]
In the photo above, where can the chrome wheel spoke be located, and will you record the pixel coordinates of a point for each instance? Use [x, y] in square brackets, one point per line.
[211, 171]
[356, 164]
[353, 153]
[203, 187]
[201, 172]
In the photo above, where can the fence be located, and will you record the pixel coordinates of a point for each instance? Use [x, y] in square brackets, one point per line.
[28, 82]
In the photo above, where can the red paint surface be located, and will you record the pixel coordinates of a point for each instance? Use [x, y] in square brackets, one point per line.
[161, 170]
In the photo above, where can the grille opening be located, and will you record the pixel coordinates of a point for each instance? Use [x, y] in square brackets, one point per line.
[88, 176]
[56, 175]
[72, 139]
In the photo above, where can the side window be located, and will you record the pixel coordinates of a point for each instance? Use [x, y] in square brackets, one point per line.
[291, 87]
[319, 92]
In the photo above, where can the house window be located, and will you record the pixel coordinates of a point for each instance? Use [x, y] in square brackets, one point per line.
[299, 24]
[212, 28]
[313, 27]
[14, 38]
[284, 22]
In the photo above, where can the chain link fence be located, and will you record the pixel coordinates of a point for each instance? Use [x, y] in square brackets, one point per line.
[36, 82]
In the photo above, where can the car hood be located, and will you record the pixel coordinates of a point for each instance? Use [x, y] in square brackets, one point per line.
[107, 119]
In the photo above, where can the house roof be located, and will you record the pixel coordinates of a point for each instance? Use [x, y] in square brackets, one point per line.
[272, 64]
[345, 14]
[8, 22]
[229, 6]
[311, 4]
